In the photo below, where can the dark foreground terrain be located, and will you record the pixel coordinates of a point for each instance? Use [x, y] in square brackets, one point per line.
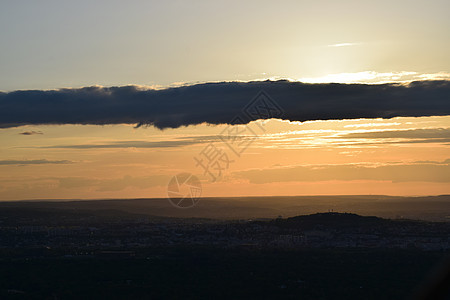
[214, 273]
[82, 250]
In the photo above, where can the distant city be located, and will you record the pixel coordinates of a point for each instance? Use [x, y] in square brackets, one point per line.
[82, 228]
[139, 246]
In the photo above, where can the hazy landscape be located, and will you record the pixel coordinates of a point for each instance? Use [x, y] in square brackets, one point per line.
[238, 149]
[336, 247]
[432, 208]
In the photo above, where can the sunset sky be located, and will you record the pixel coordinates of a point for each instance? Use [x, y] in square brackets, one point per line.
[180, 69]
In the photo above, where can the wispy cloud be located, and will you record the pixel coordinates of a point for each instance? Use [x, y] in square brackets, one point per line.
[364, 77]
[372, 125]
[116, 184]
[179, 142]
[344, 44]
[427, 133]
[434, 76]
[33, 162]
[373, 77]
[412, 172]
[31, 132]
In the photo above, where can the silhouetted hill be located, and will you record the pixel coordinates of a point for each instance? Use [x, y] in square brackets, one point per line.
[433, 208]
[331, 220]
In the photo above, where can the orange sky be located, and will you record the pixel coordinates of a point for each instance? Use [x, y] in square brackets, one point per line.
[399, 156]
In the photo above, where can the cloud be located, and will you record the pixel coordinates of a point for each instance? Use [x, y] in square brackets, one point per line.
[445, 162]
[373, 77]
[409, 136]
[414, 172]
[429, 133]
[31, 132]
[33, 162]
[372, 125]
[220, 103]
[344, 44]
[116, 184]
[181, 141]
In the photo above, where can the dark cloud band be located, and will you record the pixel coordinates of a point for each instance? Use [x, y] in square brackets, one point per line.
[217, 103]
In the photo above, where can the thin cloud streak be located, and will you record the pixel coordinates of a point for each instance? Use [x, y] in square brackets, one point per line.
[427, 133]
[344, 44]
[31, 132]
[180, 142]
[414, 172]
[34, 162]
